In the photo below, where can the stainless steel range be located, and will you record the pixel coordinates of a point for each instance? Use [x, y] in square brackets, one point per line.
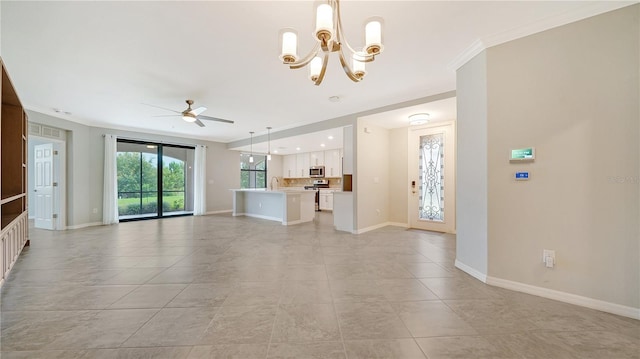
[317, 184]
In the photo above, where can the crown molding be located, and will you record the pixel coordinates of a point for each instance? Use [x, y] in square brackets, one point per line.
[588, 10]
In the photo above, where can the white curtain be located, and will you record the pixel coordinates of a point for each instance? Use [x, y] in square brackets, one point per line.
[199, 181]
[110, 191]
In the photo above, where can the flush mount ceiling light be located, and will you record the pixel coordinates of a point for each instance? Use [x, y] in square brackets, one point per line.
[418, 119]
[330, 38]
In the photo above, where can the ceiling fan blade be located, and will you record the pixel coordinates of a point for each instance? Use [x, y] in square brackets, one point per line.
[165, 115]
[213, 119]
[198, 110]
[199, 123]
[164, 108]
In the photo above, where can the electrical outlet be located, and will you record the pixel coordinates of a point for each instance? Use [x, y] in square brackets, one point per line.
[260, 204]
[549, 257]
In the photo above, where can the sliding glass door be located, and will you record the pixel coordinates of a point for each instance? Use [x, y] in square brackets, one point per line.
[154, 180]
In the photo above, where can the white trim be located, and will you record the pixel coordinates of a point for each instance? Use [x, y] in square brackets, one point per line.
[84, 225]
[258, 216]
[466, 55]
[586, 11]
[219, 212]
[284, 223]
[377, 226]
[471, 271]
[601, 305]
[398, 224]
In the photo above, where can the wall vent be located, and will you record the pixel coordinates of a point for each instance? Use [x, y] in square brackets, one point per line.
[45, 131]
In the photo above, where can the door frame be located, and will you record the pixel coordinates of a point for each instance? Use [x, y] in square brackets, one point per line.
[411, 167]
[59, 175]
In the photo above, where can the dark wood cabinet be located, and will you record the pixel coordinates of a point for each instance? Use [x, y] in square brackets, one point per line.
[13, 179]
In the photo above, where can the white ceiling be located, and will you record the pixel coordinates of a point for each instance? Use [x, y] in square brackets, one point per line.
[101, 61]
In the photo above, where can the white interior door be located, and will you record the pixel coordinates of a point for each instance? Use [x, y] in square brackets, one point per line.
[432, 178]
[43, 186]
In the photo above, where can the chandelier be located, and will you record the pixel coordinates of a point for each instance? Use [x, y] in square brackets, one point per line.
[330, 38]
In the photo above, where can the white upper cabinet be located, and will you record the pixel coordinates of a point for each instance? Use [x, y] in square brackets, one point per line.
[302, 165]
[316, 158]
[333, 163]
[289, 163]
[297, 166]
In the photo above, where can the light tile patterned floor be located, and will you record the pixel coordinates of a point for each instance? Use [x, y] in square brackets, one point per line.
[224, 287]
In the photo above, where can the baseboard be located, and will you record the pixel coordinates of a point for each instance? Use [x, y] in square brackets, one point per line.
[219, 212]
[260, 216]
[371, 228]
[471, 271]
[398, 224]
[84, 225]
[601, 305]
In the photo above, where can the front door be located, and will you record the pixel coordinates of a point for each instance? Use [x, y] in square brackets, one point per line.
[432, 178]
[43, 186]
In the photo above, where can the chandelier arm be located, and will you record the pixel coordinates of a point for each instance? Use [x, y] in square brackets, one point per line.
[307, 59]
[323, 70]
[343, 39]
[347, 68]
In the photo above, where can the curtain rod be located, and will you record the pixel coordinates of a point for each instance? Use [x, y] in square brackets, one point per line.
[161, 142]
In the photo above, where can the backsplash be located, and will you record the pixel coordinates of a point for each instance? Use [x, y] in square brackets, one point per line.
[301, 182]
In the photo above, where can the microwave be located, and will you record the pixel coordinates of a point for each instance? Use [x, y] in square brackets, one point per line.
[316, 172]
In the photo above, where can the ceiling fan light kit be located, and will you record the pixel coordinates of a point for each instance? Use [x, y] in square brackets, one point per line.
[193, 115]
[330, 38]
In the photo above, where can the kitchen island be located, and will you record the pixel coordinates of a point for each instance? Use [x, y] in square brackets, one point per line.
[286, 206]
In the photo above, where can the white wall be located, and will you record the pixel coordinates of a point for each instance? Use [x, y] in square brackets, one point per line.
[398, 175]
[274, 169]
[85, 159]
[572, 93]
[372, 175]
[471, 167]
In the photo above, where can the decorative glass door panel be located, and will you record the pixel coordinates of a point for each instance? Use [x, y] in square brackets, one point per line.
[432, 178]
[431, 175]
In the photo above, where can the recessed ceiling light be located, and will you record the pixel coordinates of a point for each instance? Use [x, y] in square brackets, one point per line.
[330, 137]
[334, 99]
[275, 151]
[322, 145]
[418, 119]
[297, 148]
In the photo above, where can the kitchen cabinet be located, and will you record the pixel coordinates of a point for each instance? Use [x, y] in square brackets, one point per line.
[302, 165]
[316, 158]
[326, 200]
[289, 163]
[333, 163]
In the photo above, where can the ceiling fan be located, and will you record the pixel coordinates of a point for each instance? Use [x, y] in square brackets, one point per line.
[192, 115]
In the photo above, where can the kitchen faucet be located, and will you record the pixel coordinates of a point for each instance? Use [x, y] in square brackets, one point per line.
[271, 184]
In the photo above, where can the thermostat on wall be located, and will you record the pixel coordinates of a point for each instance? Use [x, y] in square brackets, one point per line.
[523, 154]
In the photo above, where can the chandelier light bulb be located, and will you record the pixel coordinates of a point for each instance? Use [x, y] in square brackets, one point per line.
[289, 52]
[373, 37]
[314, 68]
[324, 22]
[358, 66]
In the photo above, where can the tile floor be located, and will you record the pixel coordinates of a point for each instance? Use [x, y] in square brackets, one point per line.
[224, 287]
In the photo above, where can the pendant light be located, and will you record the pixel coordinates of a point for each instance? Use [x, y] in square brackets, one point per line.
[269, 143]
[251, 151]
